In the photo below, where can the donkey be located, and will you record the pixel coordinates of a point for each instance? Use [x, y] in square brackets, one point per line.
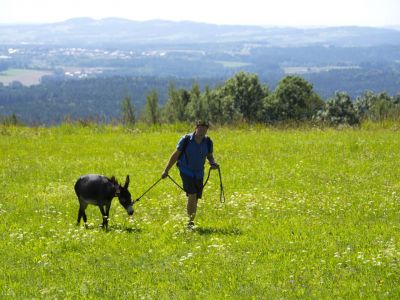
[100, 190]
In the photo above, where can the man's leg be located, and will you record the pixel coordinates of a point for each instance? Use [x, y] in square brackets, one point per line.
[191, 207]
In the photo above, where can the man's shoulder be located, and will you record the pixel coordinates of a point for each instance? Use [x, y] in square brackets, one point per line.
[187, 136]
[184, 140]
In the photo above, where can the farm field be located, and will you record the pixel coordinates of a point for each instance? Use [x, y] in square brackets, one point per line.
[306, 70]
[308, 214]
[233, 64]
[25, 76]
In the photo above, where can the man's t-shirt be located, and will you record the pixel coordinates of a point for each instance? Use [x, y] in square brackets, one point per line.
[192, 160]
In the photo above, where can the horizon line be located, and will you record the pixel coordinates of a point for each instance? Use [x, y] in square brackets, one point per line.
[388, 26]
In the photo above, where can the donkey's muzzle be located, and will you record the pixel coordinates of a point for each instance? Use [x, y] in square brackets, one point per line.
[129, 210]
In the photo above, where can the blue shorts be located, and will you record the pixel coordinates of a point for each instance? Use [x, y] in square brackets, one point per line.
[192, 185]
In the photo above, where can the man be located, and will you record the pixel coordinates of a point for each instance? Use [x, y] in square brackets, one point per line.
[191, 153]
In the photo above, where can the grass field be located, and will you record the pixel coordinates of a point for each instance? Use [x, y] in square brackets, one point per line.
[309, 214]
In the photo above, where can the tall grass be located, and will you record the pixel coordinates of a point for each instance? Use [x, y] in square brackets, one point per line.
[309, 214]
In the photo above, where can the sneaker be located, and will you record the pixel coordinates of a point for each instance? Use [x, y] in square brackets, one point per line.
[190, 225]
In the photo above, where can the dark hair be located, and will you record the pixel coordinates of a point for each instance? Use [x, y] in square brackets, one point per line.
[202, 123]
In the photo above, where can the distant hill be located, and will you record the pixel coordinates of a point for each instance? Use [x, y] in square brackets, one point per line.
[87, 32]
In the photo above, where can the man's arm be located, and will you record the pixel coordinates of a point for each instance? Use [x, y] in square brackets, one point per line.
[172, 160]
[212, 162]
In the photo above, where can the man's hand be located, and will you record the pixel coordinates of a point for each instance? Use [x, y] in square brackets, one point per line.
[164, 174]
[214, 166]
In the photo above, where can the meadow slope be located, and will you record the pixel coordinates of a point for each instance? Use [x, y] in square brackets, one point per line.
[309, 214]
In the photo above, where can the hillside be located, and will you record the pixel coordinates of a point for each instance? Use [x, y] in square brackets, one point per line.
[85, 32]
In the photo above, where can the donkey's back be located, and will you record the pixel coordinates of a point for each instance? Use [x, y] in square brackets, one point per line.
[95, 189]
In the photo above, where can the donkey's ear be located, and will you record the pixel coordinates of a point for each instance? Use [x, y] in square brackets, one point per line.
[126, 182]
[114, 181]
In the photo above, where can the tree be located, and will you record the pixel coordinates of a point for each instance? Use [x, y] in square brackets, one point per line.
[339, 110]
[244, 95]
[294, 99]
[10, 120]
[377, 107]
[175, 108]
[128, 112]
[213, 101]
[196, 109]
[151, 111]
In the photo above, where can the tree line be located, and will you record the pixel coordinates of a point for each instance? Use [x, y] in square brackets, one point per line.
[243, 98]
[53, 100]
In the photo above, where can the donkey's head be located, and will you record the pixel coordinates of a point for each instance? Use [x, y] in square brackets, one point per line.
[124, 196]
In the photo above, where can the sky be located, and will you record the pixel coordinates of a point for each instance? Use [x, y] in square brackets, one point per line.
[296, 13]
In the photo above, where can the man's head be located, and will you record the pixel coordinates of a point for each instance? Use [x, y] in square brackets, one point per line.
[202, 123]
[202, 127]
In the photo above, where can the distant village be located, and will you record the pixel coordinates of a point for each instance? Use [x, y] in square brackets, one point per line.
[71, 62]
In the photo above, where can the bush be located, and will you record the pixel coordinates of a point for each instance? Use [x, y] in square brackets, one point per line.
[339, 110]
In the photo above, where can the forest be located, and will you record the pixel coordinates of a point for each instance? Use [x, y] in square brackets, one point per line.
[240, 98]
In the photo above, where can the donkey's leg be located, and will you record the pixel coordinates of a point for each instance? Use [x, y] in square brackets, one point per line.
[105, 217]
[79, 217]
[84, 214]
[81, 213]
[108, 205]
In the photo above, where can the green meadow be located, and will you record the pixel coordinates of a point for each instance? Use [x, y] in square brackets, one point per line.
[309, 213]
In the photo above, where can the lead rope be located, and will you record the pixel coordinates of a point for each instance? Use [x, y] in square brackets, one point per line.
[154, 184]
[148, 189]
[179, 186]
[221, 194]
[221, 188]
